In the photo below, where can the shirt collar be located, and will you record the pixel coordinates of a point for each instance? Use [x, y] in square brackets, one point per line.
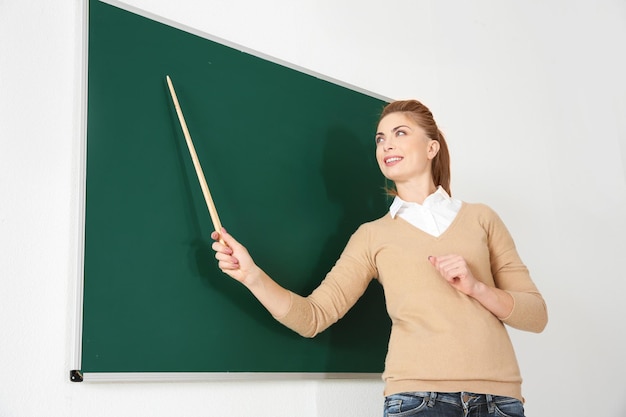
[438, 197]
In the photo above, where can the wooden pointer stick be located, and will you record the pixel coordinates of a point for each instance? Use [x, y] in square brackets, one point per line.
[196, 163]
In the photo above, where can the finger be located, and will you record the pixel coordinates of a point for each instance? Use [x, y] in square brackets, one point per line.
[442, 265]
[227, 265]
[449, 269]
[436, 262]
[229, 239]
[219, 247]
[448, 260]
[442, 259]
[226, 256]
[226, 259]
[454, 265]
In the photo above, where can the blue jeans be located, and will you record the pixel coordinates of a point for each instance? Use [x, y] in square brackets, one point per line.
[451, 404]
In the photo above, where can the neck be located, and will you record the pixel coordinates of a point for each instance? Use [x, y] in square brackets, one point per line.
[415, 193]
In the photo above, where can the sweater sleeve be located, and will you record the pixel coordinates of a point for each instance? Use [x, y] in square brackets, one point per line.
[510, 274]
[338, 292]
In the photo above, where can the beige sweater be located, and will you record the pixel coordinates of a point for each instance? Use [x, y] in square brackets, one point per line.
[441, 339]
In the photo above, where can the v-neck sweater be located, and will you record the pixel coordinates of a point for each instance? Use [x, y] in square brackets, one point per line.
[441, 339]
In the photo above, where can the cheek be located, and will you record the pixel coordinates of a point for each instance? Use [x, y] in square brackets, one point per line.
[381, 165]
[379, 157]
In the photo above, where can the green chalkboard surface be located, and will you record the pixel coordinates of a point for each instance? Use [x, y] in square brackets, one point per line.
[289, 159]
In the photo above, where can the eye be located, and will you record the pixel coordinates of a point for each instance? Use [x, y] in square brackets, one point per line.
[400, 133]
[379, 139]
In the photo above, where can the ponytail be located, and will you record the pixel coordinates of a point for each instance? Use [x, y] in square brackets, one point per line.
[441, 164]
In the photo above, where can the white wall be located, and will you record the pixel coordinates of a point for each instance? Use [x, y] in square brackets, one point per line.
[533, 100]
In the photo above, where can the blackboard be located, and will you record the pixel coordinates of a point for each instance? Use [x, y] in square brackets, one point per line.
[289, 158]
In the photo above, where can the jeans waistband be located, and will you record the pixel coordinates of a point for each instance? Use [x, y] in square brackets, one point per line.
[462, 399]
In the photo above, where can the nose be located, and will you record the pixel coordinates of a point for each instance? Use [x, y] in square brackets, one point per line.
[388, 144]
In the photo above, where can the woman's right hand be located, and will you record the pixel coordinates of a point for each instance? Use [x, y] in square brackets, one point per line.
[233, 258]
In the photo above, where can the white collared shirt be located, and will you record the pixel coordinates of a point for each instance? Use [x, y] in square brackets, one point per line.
[433, 216]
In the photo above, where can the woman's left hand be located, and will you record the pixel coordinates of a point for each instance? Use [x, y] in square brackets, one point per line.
[455, 270]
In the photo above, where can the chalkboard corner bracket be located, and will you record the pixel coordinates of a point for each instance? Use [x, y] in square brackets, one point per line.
[76, 376]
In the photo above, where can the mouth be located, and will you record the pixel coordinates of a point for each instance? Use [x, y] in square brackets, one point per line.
[392, 160]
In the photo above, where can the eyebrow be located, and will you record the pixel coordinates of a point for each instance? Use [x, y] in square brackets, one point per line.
[394, 129]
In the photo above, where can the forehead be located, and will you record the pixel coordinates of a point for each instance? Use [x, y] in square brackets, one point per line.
[393, 120]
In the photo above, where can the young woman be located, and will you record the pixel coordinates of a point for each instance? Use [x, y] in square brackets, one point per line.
[451, 275]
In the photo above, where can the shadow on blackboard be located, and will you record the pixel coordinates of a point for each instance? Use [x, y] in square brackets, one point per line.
[201, 258]
[359, 193]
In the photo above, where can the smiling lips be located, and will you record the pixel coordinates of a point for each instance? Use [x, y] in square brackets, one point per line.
[392, 160]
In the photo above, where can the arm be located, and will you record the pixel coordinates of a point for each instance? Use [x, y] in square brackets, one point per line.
[513, 297]
[235, 261]
[308, 316]
[511, 275]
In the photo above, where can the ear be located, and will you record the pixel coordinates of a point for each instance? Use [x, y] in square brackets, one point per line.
[433, 149]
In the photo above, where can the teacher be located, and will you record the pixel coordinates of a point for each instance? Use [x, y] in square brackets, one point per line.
[451, 275]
